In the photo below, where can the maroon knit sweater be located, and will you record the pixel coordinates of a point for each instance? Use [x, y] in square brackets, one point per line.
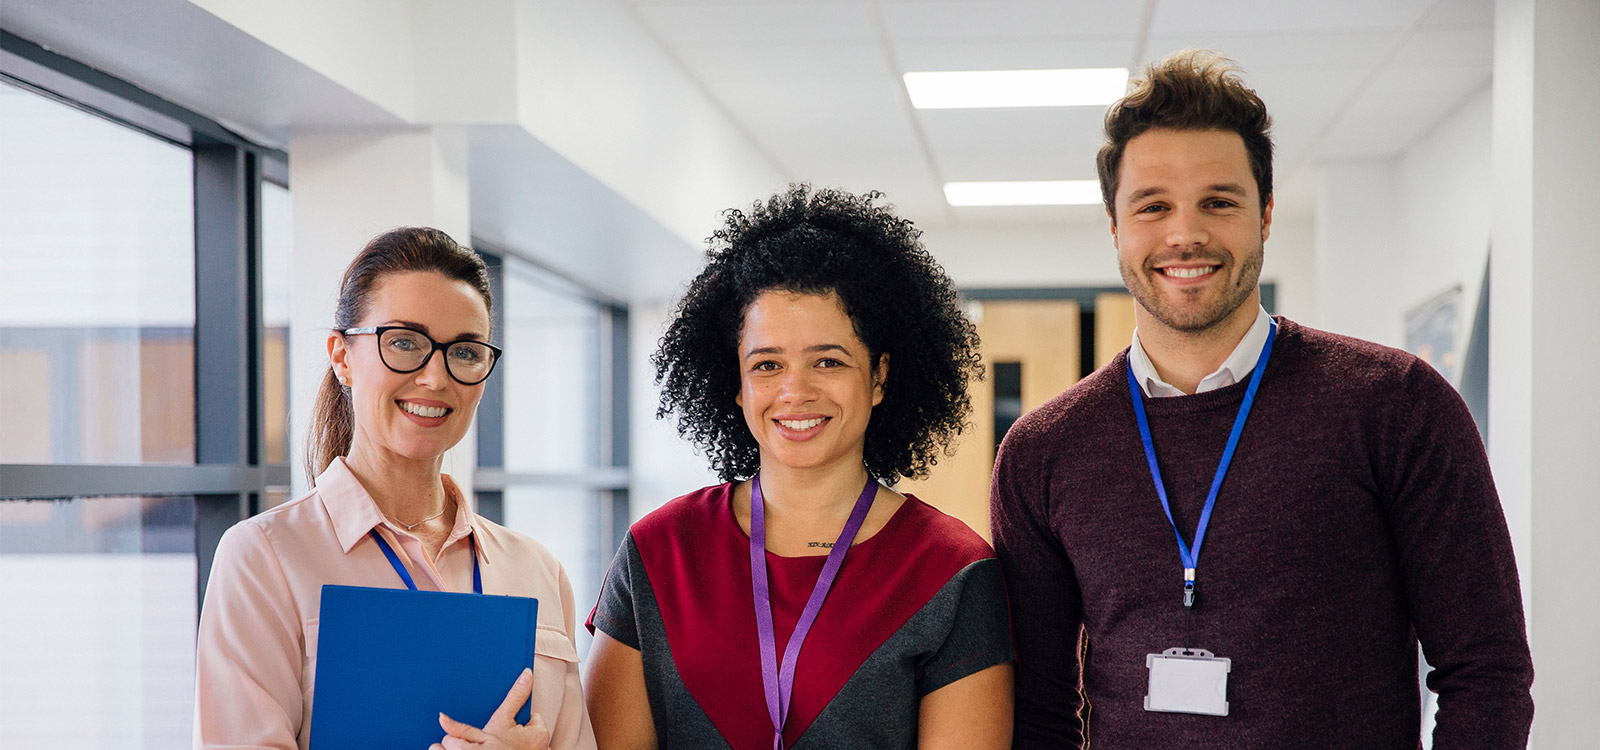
[1358, 518]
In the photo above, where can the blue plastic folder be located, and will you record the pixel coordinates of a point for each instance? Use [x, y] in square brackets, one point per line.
[390, 660]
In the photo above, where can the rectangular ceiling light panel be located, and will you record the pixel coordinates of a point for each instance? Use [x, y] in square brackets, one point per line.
[971, 89]
[1033, 193]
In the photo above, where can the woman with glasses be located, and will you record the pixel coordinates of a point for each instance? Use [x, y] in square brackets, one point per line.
[803, 603]
[409, 353]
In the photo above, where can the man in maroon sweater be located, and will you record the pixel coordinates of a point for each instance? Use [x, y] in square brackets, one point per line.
[1337, 489]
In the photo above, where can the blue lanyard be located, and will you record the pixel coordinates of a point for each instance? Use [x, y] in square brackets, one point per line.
[394, 560]
[1192, 558]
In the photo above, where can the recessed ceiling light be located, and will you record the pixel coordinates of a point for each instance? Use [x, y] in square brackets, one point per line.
[962, 89]
[1034, 193]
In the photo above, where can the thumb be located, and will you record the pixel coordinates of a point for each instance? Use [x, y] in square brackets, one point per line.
[460, 730]
[506, 715]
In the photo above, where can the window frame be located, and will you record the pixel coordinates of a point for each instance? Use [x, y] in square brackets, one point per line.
[611, 476]
[229, 476]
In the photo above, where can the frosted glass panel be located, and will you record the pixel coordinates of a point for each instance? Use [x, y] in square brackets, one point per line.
[552, 372]
[97, 636]
[567, 522]
[96, 289]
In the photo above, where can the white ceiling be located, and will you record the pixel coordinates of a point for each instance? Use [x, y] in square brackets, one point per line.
[816, 83]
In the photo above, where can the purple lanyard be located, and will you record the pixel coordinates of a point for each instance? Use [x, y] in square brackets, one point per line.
[779, 684]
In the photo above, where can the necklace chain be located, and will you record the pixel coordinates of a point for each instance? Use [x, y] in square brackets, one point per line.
[410, 526]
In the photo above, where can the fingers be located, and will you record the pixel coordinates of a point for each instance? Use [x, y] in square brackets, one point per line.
[456, 743]
[457, 730]
[537, 734]
[536, 723]
[506, 715]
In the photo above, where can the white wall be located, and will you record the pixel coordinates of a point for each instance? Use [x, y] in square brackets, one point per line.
[1392, 234]
[602, 92]
[1544, 422]
[361, 45]
[1291, 265]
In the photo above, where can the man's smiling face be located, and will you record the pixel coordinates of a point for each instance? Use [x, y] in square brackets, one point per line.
[1189, 227]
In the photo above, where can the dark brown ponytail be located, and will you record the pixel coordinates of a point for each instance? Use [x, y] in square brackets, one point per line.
[333, 424]
[400, 250]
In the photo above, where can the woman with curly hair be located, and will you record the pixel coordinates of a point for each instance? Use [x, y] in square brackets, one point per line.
[803, 603]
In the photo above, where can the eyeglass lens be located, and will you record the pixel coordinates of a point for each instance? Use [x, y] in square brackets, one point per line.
[404, 350]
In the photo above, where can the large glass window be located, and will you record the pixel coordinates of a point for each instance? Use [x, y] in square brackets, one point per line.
[565, 477]
[97, 276]
[97, 635]
[568, 521]
[107, 525]
[277, 252]
[96, 289]
[552, 372]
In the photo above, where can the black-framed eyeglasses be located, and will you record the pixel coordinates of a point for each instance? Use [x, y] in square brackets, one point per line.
[406, 350]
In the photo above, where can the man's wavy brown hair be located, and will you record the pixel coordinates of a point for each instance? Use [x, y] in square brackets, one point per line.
[1196, 89]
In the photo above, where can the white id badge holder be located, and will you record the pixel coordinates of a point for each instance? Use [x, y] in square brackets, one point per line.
[1187, 681]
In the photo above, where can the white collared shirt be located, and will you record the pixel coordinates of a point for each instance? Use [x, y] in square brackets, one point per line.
[1236, 366]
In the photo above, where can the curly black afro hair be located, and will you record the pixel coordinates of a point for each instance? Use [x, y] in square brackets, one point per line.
[817, 241]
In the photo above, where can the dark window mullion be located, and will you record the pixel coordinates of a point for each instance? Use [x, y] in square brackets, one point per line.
[227, 335]
[615, 511]
[491, 409]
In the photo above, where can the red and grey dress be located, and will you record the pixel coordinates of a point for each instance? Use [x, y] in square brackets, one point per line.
[915, 607]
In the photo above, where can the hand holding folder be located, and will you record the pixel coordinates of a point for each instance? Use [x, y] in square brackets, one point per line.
[502, 732]
[391, 661]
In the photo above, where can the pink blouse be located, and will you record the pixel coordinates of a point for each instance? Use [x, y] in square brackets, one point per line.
[257, 657]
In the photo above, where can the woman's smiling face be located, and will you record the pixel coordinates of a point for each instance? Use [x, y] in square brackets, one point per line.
[417, 415]
[807, 383]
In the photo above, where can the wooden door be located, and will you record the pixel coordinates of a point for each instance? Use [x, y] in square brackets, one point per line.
[1113, 325]
[1036, 342]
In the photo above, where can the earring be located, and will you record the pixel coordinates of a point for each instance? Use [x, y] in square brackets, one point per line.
[342, 380]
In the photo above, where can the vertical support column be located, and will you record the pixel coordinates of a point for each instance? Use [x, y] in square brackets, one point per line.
[348, 188]
[491, 429]
[615, 507]
[226, 334]
[1544, 423]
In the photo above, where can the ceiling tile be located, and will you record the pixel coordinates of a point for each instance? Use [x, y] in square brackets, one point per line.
[1258, 52]
[1469, 47]
[1011, 217]
[759, 23]
[811, 82]
[1026, 54]
[1460, 13]
[1014, 144]
[1401, 105]
[851, 81]
[1277, 17]
[814, 113]
[926, 20]
[727, 3]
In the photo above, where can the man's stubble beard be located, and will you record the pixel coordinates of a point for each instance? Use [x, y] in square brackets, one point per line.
[1172, 313]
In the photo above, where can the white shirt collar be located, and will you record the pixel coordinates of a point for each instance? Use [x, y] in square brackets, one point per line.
[1236, 366]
